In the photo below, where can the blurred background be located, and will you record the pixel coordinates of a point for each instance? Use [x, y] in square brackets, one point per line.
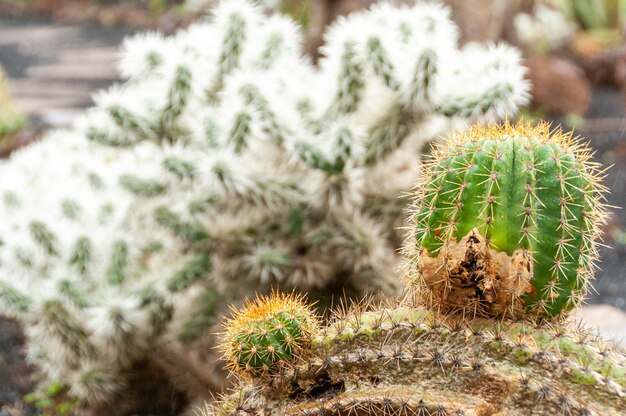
[54, 54]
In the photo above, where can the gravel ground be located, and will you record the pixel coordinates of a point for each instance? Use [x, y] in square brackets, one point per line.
[15, 375]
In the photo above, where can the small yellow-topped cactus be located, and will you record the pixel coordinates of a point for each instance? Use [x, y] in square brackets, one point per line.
[268, 334]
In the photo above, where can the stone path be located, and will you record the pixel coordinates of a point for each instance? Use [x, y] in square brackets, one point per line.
[54, 69]
[609, 321]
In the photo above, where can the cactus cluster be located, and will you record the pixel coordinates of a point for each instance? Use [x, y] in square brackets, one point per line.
[394, 360]
[543, 31]
[480, 192]
[506, 221]
[227, 161]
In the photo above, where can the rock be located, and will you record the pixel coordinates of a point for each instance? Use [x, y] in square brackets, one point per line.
[482, 20]
[559, 86]
[608, 320]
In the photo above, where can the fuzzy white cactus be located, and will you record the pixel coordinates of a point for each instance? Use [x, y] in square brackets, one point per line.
[227, 163]
[545, 30]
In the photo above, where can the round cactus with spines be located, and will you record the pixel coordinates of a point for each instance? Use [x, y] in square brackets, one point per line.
[268, 334]
[506, 222]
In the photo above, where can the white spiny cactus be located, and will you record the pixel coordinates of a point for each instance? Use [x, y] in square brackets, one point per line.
[545, 30]
[227, 163]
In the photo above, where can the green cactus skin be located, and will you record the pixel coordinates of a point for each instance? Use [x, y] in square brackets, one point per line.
[268, 335]
[411, 361]
[526, 192]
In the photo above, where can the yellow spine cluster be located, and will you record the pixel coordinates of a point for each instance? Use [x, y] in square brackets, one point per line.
[267, 334]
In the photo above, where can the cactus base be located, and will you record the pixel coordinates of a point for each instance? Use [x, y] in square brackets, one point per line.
[470, 276]
[412, 361]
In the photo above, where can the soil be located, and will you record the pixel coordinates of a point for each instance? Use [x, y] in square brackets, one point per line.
[15, 374]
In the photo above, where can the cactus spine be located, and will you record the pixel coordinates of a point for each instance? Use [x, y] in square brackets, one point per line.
[506, 220]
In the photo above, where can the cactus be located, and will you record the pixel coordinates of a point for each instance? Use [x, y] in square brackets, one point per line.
[595, 14]
[506, 220]
[543, 31]
[11, 120]
[226, 163]
[414, 357]
[268, 335]
[397, 360]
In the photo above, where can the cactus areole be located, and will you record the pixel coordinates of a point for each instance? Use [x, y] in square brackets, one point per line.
[506, 220]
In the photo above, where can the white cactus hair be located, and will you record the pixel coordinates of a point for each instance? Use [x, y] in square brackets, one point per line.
[228, 163]
[142, 55]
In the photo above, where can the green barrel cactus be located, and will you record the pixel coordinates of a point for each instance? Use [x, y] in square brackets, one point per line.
[268, 335]
[505, 222]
